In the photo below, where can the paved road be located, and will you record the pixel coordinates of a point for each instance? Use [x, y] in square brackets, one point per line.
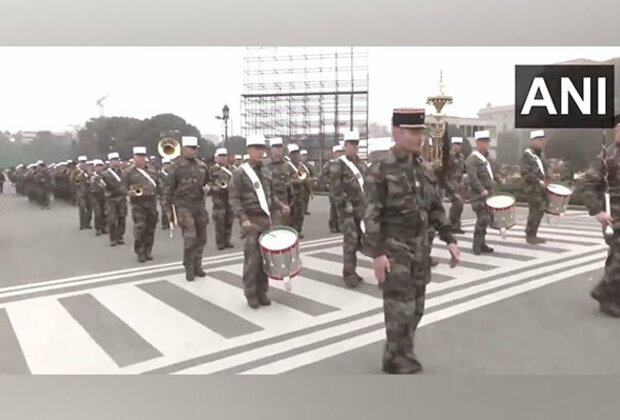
[71, 304]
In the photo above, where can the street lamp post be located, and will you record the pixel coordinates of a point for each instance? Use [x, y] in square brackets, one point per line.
[225, 116]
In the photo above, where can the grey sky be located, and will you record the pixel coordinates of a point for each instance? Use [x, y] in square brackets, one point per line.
[53, 88]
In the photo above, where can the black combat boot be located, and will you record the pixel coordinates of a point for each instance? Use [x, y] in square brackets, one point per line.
[120, 242]
[253, 302]
[148, 255]
[98, 232]
[141, 258]
[434, 262]
[458, 230]
[200, 272]
[229, 245]
[486, 249]
[263, 299]
[189, 273]
[610, 308]
[351, 280]
[533, 240]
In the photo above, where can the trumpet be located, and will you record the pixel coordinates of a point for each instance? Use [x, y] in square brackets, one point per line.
[169, 148]
[135, 190]
[222, 181]
[301, 175]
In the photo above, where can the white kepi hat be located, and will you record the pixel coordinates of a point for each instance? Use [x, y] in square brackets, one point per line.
[113, 155]
[221, 152]
[303, 152]
[293, 148]
[139, 150]
[255, 140]
[457, 140]
[82, 158]
[482, 135]
[352, 136]
[189, 141]
[536, 134]
[275, 141]
[337, 148]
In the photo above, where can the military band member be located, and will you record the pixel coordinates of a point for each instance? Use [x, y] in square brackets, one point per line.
[223, 218]
[326, 176]
[308, 194]
[350, 201]
[162, 174]
[605, 174]
[281, 190]
[115, 200]
[535, 173]
[80, 181]
[483, 177]
[238, 161]
[402, 202]
[250, 197]
[142, 186]
[96, 195]
[297, 204]
[454, 185]
[43, 185]
[246, 157]
[185, 194]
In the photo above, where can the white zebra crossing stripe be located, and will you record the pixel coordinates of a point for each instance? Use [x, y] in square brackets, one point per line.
[54, 343]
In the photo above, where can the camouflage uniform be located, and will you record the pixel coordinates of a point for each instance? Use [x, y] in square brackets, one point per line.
[307, 187]
[96, 194]
[163, 179]
[403, 201]
[607, 291]
[350, 202]
[81, 196]
[536, 194]
[479, 180]
[43, 185]
[326, 174]
[185, 190]
[454, 187]
[115, 205]
[246, 206]
[143, 210]
[280, 174]
[222, 211]
[298, 210]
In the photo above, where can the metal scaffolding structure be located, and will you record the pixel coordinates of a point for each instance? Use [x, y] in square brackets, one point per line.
[307, 95]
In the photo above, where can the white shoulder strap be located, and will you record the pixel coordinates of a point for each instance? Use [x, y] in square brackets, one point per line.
[355, 170]
[225, 169]
[485, 161]
[147, 176]
[118, 178]
[258, 187]
[537, 159]
[164, 172]
[291, 164]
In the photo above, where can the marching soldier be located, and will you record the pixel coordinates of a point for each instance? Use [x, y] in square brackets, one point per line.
[80, 182]
[604, 174]
[222, 212]
[140, 182]
[298, 185]
[535, 173]
[482, 176]
[326, 175]
[96, 194]
[281, 190]
[43, 185]
[238, 161]
[163, 179]
[454, 185]
[307, 195]
[403, 200]
[185, 198]
[250, 197]
[350, 201]
[115, 200]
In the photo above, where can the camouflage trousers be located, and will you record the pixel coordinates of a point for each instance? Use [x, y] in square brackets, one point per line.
[402, 313]
[144, 216]
[351, 244]
[334, 224]
[535, 214]
[279, 218]
[456, 209]
[116, 213]
[297, 215]
[85, 210]
[608, 288]
[255, 280]
[193, 223]
[43, 196]
[223, 219]
[483, 220]
[306, 200]
[97, 204]
[165, 223]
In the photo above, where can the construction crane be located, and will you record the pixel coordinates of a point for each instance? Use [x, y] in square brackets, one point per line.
[100, 102]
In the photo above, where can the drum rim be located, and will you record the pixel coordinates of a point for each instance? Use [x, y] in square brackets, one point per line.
[293, 274]
[501, 208]
[558, 194]
[281, 251]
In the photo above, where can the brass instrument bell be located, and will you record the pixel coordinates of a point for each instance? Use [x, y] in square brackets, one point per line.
[169, 148]
[135, 190]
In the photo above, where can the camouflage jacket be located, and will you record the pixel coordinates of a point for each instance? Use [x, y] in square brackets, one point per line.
[43, 179]
[217, 174]
[80, 178]
[96, 184]
[149, 191]
[457, 170]
[594, 185]
[479, 178]
[326, 174]
[403, 201]
[243, 198]
[349, 198]
[114, 186]
[186, 181]
[280, 173]
[530, 172]
[298, 187]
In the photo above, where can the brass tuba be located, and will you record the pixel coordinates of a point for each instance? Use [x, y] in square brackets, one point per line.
[135, 190]
[300, 175]
[169, 148]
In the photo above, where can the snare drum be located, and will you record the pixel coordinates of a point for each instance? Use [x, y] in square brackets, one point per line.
[280, 249]
[558, 197]
[503, 211]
